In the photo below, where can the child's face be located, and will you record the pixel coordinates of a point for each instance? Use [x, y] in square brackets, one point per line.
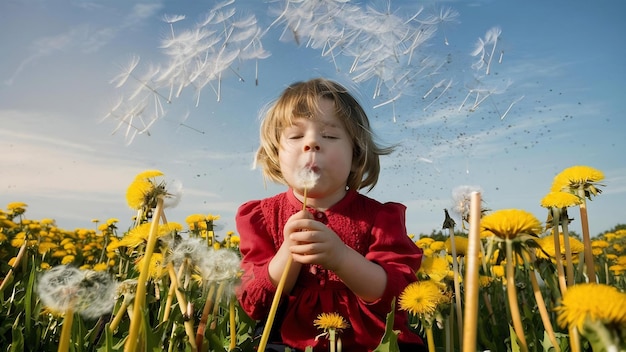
[320, 144]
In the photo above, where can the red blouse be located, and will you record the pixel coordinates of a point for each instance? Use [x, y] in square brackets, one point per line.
[375, 230]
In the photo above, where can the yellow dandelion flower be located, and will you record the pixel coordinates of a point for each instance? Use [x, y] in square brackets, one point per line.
[547, 245]
[68, 259]
[59, 254]
[217, 245]
[194, 218]
[211, 217]
[428, 252]
[578, 177]
[16, 205]
[438, 246]
[328, 321]
[137, 193]
[138, 235]
[424, 242]
[45, 247]
[47, 221]
[599, 244]
[497, 271]
[235, 240]
[510, 223]
[576, 306]
[560, 200]
[421, 298]
[156, 269]
[148, 174]
[44, 266]
[617, 269]
[484, 280]
[435, 267]
[460, 244]
[100, 267]
[18, 240]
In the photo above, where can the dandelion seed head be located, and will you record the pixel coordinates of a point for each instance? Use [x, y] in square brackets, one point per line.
[89, 293]
[223, 264]
[307, 178]
[461, 197]
[194, 250]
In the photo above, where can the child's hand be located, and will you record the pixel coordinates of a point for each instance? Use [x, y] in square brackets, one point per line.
[312, 242]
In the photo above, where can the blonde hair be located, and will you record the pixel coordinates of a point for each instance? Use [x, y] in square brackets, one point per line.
[301, 99]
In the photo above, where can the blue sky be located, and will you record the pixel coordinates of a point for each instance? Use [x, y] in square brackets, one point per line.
[553, 98]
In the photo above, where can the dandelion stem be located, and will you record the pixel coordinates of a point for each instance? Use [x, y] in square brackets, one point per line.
[182, 304]
[135, 323]
[430, 339]
[270, 318]
[574, 339]
[168, 303]
[233, 321]
[118, 317]
[584, 221]
[18, 259]
[556, 215]
[471, 277]
[208, 305]
[216, 305]
[568, 249]
[66, 331]
[511, 292]
[543, 311]
[279, 291]
[457, 285]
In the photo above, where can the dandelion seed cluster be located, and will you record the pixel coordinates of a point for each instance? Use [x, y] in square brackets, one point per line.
[89, 293]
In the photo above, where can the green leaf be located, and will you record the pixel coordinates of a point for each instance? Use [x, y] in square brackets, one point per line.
[389, 342]
[28, 301]
[514, 345]
[17, 344]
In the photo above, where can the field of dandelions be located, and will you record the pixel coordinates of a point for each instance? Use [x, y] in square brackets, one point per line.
[495, 282]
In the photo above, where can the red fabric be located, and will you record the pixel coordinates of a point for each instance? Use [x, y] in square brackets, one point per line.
[375, 230]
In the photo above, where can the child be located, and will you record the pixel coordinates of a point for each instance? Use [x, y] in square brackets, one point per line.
[351, 254]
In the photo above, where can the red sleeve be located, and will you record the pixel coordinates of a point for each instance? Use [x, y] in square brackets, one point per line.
[395, 252]
[257, 248]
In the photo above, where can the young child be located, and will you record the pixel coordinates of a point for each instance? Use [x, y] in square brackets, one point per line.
[350, 254]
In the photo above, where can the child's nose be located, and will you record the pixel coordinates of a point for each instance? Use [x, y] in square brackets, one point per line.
[311, 144]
